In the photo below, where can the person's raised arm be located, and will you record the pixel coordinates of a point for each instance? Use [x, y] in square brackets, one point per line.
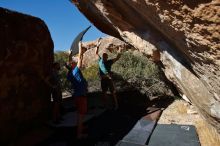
[68, 64]
[80, 57]
[118, 56]
[70, 57]
[97, 48]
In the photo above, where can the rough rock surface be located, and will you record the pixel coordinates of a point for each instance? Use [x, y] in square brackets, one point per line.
[108, 44]
[186, 33]
[26, 57]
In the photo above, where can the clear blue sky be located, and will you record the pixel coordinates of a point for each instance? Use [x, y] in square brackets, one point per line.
[63, 19]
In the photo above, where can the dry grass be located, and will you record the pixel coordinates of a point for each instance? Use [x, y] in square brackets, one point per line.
[207, 134]
[181, 108]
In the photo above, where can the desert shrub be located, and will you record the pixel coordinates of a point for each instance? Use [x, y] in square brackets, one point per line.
[130, 66]
[142, 74]
[62, 58]
[91, 73]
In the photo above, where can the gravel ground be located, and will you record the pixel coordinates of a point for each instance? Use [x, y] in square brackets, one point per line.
[179, 112]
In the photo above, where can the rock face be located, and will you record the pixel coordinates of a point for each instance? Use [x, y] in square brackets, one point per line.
[26, 56]
[182, 34]
[108, 44]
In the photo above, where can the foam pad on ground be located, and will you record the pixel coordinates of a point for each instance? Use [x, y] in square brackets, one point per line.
[140, 133]
[125, 143]
[174, 135]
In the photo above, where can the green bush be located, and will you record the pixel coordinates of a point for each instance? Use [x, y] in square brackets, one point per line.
[62, 58]
[142, 74]
[91, 73]
[129, 66]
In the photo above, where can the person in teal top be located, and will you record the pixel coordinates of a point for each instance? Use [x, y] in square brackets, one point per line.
[105, 74]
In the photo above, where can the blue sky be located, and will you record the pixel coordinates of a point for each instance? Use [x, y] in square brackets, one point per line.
[62, 18]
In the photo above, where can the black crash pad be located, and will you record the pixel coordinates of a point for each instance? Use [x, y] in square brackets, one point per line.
[140, 133]
[174, 135]
[125, 143]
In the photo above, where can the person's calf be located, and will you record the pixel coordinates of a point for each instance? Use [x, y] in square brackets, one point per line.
[115, 101]
[104, 99]
[80, 126]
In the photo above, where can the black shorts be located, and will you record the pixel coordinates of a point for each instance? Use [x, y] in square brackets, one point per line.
[107, 84]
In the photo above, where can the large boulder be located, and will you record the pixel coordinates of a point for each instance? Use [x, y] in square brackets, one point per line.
[107, 44]
[26, 56]
[182, 34]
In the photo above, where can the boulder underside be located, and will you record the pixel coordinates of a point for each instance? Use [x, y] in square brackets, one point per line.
[185, 33]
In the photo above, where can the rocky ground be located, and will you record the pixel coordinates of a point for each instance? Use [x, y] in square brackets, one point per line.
[181, 112]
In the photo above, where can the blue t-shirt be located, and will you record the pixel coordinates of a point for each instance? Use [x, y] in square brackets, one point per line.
[105, 67]
[79, 83]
